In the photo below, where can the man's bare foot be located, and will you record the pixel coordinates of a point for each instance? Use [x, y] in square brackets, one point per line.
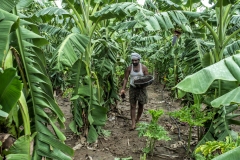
[132, 128]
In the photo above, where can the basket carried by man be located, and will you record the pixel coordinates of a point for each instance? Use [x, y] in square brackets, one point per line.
[143, 81]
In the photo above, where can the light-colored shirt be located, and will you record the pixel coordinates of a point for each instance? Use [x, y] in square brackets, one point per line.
[133, 75]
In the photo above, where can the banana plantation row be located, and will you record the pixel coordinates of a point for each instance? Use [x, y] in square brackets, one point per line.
[84, 46]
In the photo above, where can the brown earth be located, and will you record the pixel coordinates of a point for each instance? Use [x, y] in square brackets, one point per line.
[123, 143]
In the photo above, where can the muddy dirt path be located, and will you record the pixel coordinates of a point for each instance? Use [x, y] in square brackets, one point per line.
[123, 143]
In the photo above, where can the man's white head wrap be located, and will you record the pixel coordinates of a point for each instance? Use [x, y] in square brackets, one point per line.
[135, 56]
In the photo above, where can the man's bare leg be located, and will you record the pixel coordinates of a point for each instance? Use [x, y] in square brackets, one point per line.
[140, 111]
[133, 115]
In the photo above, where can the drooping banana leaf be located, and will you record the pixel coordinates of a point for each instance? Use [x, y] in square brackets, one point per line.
[92, 135]
[47, 13]
[234, 23]
[232, 48]
[23, 4]
[48, 142]
[69, 51]
[143, 18]
[10, 89]
[226, 99]
[53, 30]
[42, 97]
[195, 53]
[7, 22]
[8, 5]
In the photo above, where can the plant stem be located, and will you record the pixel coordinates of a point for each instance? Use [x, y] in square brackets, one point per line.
[189, 138]
[152, 142]
[24, 110]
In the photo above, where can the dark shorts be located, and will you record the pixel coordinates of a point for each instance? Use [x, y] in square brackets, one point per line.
[138, 94]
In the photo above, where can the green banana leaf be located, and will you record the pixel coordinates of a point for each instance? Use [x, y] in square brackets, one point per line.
[10, 89]
[232, 48]
[23, 4]
[8, 5]
[225, 2]
[143, 18]
[47, 13]
[7, 22]
[92, 134]
[21, 149]
[69, 51]
[99, 115]
[231, 97]
[233, 154]
[54, 31]
[199, 82]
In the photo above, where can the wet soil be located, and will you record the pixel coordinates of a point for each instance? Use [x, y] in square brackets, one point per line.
[123, 143]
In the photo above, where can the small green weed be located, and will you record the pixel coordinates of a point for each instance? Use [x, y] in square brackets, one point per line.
[153, 131]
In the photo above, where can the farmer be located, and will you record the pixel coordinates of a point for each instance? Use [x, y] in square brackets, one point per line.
[135, 94]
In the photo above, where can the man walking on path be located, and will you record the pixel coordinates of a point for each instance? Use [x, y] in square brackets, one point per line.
[136, 95]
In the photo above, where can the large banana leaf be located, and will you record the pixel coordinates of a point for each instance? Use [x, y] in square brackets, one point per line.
[198, 83]
[234, 23]
[8, 5]
[69, 51]
[53, 30]
[145, 19]
[23, 4]
[47, 13]
[10, 86]
[42, 97]
[195, 51]
[232, 48]
[7, 22]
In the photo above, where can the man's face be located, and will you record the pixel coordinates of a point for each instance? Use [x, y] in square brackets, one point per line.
[135, 62]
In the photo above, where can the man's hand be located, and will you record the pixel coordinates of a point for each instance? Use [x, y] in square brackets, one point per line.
[122, 92]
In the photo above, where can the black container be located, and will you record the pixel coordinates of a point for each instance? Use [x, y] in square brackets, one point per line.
[143, 81]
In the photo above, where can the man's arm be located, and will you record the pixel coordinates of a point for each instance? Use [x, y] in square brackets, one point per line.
[145, 70]
[126, 75]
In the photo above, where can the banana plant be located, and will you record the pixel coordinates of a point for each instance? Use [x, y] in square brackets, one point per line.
[26, 44]
[215, 84]
[203, 81]
[82, 54]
